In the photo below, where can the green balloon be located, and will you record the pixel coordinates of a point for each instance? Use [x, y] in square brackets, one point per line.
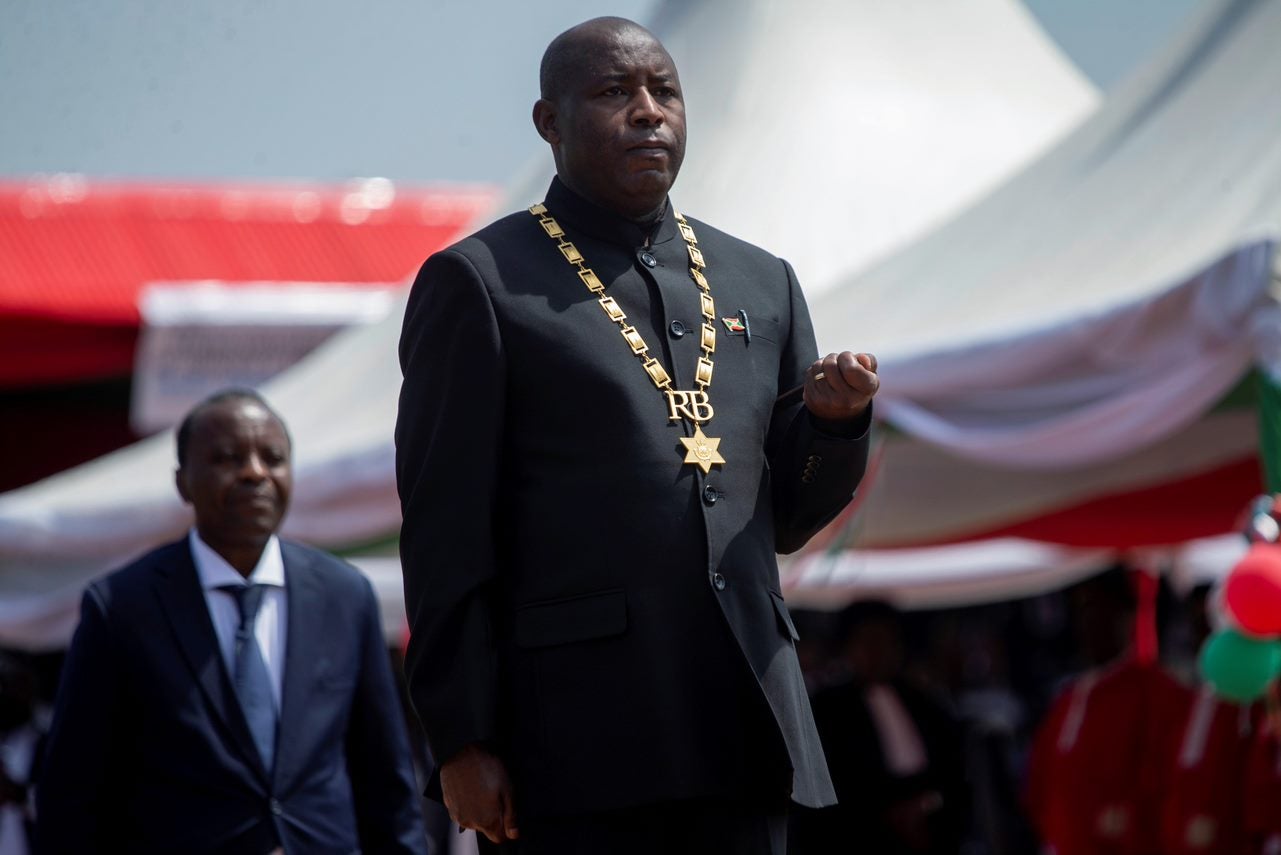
[1240, 668]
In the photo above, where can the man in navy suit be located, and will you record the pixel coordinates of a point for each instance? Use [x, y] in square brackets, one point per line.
[229, 692]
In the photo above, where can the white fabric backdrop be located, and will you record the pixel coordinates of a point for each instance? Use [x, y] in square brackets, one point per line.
[1095, 387]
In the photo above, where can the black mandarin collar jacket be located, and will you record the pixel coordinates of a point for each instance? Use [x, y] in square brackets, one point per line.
[604, 616]
[573, 210]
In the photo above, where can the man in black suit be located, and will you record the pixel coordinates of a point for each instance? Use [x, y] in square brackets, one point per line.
[595, 475]
[230, 692]
[895, 753]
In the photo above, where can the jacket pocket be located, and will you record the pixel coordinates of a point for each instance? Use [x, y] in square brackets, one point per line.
[768, 329]
[597, 615]
[785, 624]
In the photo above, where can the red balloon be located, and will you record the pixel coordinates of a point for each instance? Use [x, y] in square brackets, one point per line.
[1252, 592]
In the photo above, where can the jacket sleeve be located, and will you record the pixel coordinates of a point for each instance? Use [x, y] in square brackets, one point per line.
[813, 474]
[388, 815]
[74, 804]
[448, 445]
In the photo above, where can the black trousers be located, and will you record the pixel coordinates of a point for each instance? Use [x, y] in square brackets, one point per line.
[697, 827]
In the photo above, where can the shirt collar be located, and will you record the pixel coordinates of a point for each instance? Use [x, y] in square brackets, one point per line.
[584, 216]
[215, 572]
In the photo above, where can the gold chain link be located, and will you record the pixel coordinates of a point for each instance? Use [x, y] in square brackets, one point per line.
[633, 337]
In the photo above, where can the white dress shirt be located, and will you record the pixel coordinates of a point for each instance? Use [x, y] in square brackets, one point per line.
[271, 624]
[17, 751]
[901, 742]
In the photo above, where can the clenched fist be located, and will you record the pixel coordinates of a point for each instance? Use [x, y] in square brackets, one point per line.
[839, 386]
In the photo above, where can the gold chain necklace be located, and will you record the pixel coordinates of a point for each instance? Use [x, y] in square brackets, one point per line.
[692, 405]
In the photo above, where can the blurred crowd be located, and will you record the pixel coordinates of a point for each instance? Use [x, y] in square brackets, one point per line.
[1055, 724]
[1031, 726]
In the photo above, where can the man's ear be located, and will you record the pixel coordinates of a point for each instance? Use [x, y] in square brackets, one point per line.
[180, 481]
[545, 121]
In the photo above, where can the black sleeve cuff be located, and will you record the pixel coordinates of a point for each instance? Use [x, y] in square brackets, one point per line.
[848, 429]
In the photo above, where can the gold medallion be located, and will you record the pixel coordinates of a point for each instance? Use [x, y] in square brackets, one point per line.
[702, 450]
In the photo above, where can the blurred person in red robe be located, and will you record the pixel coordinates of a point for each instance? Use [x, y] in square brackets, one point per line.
[1260, 793]
[1261, 803]
[1203, 810]
[1095, 775]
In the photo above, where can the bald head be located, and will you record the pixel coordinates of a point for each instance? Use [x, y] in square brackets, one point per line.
[613, 113]
[583, 47]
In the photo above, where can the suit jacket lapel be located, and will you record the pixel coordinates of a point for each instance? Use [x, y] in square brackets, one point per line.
[184, 606]
[304, 647]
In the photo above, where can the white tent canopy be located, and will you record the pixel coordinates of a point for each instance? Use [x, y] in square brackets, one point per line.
[828, 131]
[834, 132]
[1069, 337]
[1125, 272]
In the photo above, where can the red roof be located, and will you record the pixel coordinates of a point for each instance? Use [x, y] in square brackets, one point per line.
[75, 254]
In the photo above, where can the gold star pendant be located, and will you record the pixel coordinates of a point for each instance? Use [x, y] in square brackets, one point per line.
[702, 450]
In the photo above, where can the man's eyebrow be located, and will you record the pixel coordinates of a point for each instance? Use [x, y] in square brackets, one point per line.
[621, 76]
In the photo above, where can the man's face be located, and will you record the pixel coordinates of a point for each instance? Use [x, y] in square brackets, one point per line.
[237, 476]
[618, 129]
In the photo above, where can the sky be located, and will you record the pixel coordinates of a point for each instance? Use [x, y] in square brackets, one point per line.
[413, 90]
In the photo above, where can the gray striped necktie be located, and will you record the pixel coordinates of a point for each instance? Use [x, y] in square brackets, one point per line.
[251, 677]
